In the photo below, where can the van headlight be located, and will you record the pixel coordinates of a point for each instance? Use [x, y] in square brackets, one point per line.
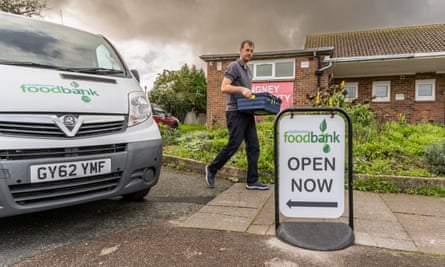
[139, 108]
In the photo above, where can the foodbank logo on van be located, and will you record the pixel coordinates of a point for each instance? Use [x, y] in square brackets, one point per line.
[306, 137]
[74, 89]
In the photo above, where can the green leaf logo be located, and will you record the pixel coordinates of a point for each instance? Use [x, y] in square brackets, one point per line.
[74, 84]
[323, 125]
[326, 148]
[86, 98]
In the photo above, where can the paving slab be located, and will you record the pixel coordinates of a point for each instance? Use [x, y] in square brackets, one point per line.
[371, 206]
[388, 234]
[238, 196]
[394, 221]
[406, 245]
[364, 238]
[382, 229]
[216, 221]
[427, 232]
[230, 211]
[414, 204]
[233, 210]
[267, 214]
[258, 229]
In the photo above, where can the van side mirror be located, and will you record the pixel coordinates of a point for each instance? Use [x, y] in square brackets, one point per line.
[136, 75]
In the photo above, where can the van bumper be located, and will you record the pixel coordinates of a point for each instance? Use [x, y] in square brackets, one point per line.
[135, 167]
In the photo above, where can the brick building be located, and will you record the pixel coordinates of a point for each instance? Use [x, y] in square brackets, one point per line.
[401, 69]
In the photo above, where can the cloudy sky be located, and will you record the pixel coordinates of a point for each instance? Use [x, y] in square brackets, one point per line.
[153, 35]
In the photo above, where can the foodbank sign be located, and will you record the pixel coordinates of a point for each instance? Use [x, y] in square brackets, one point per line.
[74, 89]
[311, 166]
[305, 136]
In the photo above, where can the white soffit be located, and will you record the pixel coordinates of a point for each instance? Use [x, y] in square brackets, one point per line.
[389, 65]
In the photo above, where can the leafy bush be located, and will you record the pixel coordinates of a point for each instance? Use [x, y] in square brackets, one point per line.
[435, 158]
[361, 115]
[392, 148]
[181, 91]
[376, 185]
[169, 136]
[434, 191]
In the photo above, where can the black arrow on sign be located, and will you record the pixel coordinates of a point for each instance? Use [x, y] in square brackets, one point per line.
[291, 204]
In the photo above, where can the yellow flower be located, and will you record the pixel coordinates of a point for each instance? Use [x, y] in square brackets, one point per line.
[317, 98]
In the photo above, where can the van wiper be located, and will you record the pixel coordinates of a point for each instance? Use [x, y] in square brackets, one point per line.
[94, 70]
[30, 64]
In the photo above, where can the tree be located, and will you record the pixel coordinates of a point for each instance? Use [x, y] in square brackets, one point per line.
[179, 92]
[27, 8]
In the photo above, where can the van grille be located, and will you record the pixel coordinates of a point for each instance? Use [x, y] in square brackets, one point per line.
[40, 193]
[23, 154]
[54, 126]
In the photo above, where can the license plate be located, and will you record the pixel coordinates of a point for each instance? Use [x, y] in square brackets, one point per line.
[69, 170]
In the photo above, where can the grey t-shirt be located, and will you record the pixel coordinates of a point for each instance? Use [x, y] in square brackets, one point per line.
[239, 76]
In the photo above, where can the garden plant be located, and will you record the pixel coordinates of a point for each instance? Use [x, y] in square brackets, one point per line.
[392, 148]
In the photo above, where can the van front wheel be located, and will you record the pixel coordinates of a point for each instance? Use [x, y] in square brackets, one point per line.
[137, 196]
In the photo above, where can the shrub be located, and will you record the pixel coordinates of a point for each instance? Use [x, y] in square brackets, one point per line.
[435, 158]
[377, 185]
[393, 148]
[169, 136]
[361, 115]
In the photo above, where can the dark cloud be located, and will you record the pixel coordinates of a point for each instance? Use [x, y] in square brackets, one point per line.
[218, 26]
[213, 26]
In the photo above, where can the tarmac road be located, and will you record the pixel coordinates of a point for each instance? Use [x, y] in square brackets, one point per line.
[119, 233]
[177, 194]
[168, 245]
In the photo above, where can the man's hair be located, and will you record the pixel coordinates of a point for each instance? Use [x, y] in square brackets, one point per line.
[249, 42]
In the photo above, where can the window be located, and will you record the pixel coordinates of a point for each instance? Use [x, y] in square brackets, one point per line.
[263, 70]
[381, 91]
[284, 69]
[352, 91]
[273, 70]
[105, 59]
[53, 44]
[425, 90]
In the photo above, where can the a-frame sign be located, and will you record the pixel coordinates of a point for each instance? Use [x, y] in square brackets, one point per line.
[310, 167]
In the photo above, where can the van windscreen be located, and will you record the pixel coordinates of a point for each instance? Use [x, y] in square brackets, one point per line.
[39, 43]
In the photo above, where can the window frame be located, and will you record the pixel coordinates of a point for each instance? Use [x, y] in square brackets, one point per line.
[381, 99]
[351, 84]
[252, 64]
[433, 87]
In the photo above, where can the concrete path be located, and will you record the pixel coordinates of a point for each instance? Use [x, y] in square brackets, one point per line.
[393, 221]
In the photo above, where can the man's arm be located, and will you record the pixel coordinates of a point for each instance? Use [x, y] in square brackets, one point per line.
[228, 88]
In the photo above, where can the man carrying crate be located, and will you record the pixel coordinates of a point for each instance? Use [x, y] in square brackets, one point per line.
[237, 82]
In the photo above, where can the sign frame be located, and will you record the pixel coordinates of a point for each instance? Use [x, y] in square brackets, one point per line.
[315, 235]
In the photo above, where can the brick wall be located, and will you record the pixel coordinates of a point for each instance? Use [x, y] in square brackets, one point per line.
[216, 101]
[305, 83]
[414, 111]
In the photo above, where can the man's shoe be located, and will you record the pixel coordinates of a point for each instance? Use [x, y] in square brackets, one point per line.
[210, 178]
[257, 186]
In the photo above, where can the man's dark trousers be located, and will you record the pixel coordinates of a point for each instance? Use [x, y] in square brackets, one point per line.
[241, 127]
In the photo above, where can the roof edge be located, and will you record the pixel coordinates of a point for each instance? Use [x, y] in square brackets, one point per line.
[272, 54]
[387, 57]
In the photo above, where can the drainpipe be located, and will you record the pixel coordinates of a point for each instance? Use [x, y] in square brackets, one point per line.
[320, 70]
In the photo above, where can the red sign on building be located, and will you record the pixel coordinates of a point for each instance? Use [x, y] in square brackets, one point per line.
[283, 90]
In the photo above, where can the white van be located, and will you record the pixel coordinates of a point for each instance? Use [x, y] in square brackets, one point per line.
[75, 125]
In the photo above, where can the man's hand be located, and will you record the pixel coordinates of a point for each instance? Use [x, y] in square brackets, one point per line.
[247, 93]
